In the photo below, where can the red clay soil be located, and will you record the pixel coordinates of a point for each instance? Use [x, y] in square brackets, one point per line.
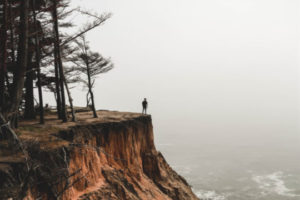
[110, 157]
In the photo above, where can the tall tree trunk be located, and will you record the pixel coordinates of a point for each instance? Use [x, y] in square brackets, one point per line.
[59, 62]
[29, 95]
[90, 89]
[12, 43]
[3, 54]
[87, 99]
[18, 83]
[93, 104]
[70, 100]
[38, 60]
[11, 38]
[57, 88]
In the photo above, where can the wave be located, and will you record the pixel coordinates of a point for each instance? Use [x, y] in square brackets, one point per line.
[273, 183]
[208, 195]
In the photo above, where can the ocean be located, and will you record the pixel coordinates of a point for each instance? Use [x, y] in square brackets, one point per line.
[231, 170]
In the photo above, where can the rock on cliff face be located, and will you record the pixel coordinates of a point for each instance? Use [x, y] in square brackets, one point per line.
[109, 158]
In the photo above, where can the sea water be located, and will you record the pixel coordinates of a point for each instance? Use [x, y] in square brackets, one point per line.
[235, 170]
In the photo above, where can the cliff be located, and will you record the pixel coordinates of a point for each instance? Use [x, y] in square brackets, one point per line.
[112, 157]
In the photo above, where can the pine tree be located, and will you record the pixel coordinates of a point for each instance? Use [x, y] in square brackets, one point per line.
[91, 64]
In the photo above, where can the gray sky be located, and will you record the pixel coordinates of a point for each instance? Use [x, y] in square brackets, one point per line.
[215, 66]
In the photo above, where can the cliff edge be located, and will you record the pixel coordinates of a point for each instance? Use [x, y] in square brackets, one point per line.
[110, 158]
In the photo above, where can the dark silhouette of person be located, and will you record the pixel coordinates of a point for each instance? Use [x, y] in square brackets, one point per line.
[145, 105]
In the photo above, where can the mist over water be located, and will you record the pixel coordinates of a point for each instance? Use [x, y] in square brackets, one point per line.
[235, 170]
[222, 81]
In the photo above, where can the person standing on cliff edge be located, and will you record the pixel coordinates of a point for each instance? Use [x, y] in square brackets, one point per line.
[145, 105]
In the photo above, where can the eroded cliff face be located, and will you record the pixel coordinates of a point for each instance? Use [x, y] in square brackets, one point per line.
[104, 159]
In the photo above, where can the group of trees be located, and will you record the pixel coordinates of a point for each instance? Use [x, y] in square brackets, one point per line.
[35, 53]
[38, 52]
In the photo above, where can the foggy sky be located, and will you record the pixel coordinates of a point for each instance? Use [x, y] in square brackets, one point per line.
[224, 68]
